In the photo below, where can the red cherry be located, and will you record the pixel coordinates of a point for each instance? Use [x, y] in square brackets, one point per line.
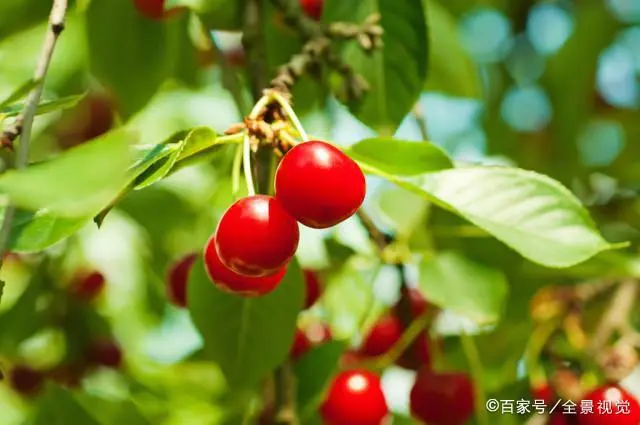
[105, 352]
[229, 281]
[256, 236]
[313, 8]
[417, 355]
[355, 397]
[68, 375]
[154, 9]
[319, 185]
[25, 380]
[606, 402]
[384, 334]
[88, 287]
[301, 345]
[178, 278]
[418, 303]
[442, 398]
[313, 288]
[544, 392]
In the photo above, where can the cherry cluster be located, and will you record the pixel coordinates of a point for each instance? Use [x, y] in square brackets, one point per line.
[316, 185]
[97, 352]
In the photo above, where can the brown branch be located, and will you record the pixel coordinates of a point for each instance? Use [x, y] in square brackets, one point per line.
[253, 43]
[318, 48]
[24, 122]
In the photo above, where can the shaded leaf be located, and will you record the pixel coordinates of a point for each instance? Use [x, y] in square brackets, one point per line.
[132, 61]
[396, 73]
[313, 372]
[35, 231]
[451, 68]
[247, 337]
[77, 182]
[19, 93]
[59, 407]
[454, 282]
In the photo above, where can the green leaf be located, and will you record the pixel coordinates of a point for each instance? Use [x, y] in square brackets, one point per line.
[403, 210]
[396, 73]
[44, 107]
[23, 319]
[127, 52]
[59, 407]
[77, 183]
[159, 166]
[247, 337]
[200, 139]
[31, 232]
[399, 157]
[2, 283]
[19, 93]
[454, 282]
[313, 372]
[451, 69]
[532, 213]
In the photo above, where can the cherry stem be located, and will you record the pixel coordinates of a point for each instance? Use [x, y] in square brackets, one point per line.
[235, 171]
[246, 162]
[534, 348]
[286, 106]
[415, 329]
[475, 366]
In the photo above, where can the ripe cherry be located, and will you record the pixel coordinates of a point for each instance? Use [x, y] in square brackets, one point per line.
[313, 8]
[417, 301]
[229, 281]
[301, 345]
[154, 9]
[88, 287]
[305, 339]
[384, 334]
[25, 380]
[91, 118]
[313, 288]
[544, 392]
[442, 398]
[355, 397]
[105, 352]
[178, 278]
[606, 402]
[418, 354]
[256, 236]
[319, 185]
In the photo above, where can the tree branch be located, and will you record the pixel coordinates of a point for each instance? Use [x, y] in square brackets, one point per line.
[24, 122]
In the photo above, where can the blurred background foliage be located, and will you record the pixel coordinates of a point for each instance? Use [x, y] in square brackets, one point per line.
[550, 86]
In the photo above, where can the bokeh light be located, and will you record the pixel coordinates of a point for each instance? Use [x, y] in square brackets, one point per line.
[549, 27]
[526, 109]
[600, 143]
[486, 34]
